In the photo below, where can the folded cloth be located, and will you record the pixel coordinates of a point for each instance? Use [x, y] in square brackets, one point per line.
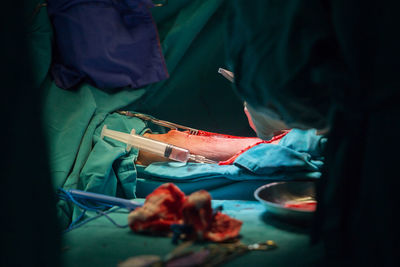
[107, 43]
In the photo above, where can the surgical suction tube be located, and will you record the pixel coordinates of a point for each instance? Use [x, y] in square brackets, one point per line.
[147, 144]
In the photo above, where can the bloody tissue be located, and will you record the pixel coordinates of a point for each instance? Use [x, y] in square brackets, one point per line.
[162, 208]
[310, 205]
[168, 205]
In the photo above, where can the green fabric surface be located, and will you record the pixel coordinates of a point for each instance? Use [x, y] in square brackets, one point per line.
[100, 243]
[108, 168]
[195, 95]
[40, 37]
[279, 58]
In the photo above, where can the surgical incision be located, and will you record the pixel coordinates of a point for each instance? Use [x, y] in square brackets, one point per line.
[215, 147]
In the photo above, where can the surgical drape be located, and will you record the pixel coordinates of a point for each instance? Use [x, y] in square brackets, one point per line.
[338, 61]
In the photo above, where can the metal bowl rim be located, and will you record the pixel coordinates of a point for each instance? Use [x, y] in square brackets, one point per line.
[268, 203]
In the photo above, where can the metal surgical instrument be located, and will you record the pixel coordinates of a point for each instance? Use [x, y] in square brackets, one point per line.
[170, 125]
[227, 74]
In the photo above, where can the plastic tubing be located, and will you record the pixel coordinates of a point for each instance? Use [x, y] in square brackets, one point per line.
[104, 199]
[147, 144]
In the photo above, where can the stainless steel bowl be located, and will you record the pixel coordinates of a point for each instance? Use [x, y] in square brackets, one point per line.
[275, 196]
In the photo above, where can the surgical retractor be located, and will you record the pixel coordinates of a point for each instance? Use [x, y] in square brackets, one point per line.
[153, 146]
